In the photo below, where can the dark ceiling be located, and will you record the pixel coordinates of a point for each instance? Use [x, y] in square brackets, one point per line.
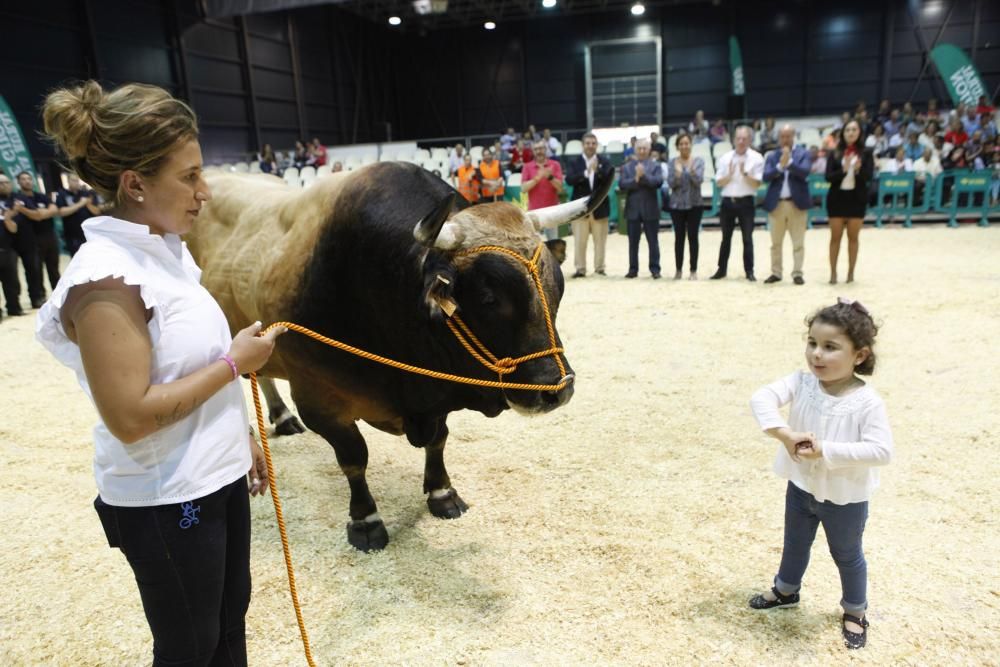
[459, 13]
[462, 13]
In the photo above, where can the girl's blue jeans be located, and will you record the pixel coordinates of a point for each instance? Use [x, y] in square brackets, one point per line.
[844, 525]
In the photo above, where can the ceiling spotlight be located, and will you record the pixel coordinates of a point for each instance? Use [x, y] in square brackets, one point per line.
[638, 9]
[490, 25]
[548, 4]
[395, 20]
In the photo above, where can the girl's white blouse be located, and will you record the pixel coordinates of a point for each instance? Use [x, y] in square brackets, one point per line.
[853, 429]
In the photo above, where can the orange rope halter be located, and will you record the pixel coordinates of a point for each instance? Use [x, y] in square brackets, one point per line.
[468, 340]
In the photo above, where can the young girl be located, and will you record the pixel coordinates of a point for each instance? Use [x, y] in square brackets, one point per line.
[836, 435]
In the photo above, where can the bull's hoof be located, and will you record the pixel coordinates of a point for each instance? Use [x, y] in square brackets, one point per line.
[448, 506]
[367, 535]
[289, 426]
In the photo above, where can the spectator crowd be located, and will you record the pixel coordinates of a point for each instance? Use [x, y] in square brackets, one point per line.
[655, 174]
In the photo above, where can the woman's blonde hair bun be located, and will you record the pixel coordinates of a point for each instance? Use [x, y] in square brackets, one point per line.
[102, 134]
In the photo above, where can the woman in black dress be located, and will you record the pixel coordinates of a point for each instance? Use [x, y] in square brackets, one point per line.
[850, 171]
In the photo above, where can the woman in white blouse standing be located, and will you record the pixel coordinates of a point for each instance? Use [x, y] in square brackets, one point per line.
[835, 438]
[153, 351]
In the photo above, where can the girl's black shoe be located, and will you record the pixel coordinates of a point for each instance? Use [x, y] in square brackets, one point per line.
[760, 602]
[854, 639]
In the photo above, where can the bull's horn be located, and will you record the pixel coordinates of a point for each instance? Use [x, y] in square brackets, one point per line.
[452, 236]
[427, 230]
[553, 216]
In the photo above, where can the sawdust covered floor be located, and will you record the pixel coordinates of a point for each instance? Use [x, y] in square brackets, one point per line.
[629, 527]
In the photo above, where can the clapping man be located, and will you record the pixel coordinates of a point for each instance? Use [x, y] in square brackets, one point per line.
[35, 237]
[787, 202]
[542, 181]
[739, 173]
[8, 260]
[76, 204]
[582, 173]
[641, 178]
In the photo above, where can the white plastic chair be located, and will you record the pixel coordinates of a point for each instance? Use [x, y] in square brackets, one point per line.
[421, 155]
[477, 153]
[241, 167]
[308, 173]
[573, 147]
[810, 137]
[616, 147]
[514, 181]
[254, 167]
[721, 148]
[325, 169]
[439, 154]
[368, 158]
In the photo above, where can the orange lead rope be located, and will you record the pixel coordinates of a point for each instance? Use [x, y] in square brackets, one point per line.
[272, 479]
[474, 347]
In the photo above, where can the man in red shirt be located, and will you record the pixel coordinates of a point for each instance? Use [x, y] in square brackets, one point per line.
[956, 135]
[542, 179]
[984, 108]
[318, 151]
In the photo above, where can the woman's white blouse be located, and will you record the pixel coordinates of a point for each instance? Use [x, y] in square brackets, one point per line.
[207, 449]
[853, 429]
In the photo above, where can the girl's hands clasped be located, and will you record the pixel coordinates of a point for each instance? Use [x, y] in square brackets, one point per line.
[798, 445]
[250, 351]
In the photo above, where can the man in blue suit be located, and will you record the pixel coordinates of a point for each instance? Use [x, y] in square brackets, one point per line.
[787, 202]
[641, 179]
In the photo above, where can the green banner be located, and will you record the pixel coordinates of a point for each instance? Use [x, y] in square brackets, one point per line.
[14, 155]
[960, 75]
[736, 65]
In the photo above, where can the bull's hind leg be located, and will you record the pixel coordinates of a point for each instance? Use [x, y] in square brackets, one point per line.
[285, 423]
[432, 434]
[365, 530]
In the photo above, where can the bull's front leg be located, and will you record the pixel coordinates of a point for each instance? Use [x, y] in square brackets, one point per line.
[365, 530]
[432, 434]
[285, 423]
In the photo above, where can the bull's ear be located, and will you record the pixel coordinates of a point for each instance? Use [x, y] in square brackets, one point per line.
[439, 285]
[427, 230]
[558, 248]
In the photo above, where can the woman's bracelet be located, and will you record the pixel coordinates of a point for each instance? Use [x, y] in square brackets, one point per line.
[232, 365]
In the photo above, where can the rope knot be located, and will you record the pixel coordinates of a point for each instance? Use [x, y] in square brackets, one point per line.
[506, 365]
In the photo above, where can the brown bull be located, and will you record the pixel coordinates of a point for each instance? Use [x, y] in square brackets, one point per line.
[375, 258]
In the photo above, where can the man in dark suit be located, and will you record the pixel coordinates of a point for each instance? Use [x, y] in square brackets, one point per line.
[787, 202]
[641, 179]
[582, 172]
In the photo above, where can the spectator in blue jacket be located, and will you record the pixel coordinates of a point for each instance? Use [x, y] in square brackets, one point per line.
[787, 202]
[641, 178]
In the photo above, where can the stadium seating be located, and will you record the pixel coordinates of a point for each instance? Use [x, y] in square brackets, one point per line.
[720, 149]
[573, 147]
[810, 136]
